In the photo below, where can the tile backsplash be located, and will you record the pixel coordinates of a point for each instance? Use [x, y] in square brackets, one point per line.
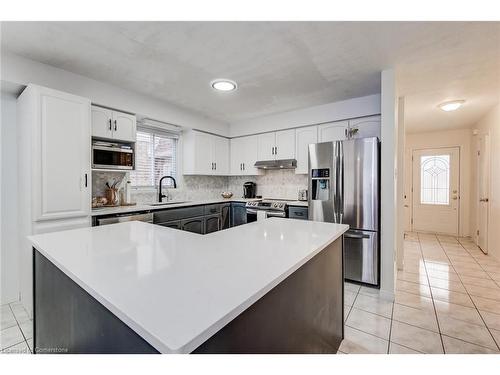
[279, 184]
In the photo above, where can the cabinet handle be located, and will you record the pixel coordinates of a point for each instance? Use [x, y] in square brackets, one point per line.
[109, 124]
[243, 166]
[276, 150]
[115, 125]
[272, 150]
[86, 180]
[215, 164]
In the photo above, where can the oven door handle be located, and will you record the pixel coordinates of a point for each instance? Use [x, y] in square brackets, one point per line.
[251, 211]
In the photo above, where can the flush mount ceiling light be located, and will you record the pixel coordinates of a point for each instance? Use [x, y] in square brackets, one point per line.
[222, 84]
[452, 105]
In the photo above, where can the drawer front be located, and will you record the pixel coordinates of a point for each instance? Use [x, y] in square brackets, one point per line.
[298, 213]
[212, 209]
[177, 214]
[361, 256]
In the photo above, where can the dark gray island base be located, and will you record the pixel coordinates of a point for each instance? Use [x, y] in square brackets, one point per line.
[302, 314]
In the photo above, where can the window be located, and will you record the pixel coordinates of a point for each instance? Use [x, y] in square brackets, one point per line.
[155, 156]
[435, 179]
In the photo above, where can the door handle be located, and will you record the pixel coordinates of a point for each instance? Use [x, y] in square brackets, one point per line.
[109, 124]
[243, 166]
[484, 200]
[86, 180]
[215, 164]
[455, 198]
[357, 236]
[115, 125]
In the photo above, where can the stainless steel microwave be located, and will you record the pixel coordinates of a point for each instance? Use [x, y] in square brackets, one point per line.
[107, 155]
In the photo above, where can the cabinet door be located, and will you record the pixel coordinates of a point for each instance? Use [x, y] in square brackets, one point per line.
[237, 155]
[221, 155]
[303, 138]
[285, 144]
[176, 224]
[250, 150]
[195, 225]
[102, 119]
[124, 127]
[334, 131]
[203, 151]
[61, 175]
[365, 127]
[225, 216]
[212, 223]
[238, 214]
[265, 146]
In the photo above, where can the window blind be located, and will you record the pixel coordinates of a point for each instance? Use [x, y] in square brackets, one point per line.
[155, 156]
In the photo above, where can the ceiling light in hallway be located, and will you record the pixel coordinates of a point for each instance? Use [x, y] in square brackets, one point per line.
[452, 105]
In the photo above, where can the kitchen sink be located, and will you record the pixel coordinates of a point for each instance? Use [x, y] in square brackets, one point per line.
[167, 203]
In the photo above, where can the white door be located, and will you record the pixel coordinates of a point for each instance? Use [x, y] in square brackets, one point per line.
[102, 122]
[285, 144]
[334, 131]
[221, 155]
[483, 170]
[303, 138]
[62, 153]
[365, 127]
[237, 155]
[124, 127]
[436, 195]
[266, 143]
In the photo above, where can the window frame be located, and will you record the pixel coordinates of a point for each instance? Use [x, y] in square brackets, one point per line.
[156, 132]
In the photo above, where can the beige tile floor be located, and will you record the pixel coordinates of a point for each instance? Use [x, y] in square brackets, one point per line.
[447, 301]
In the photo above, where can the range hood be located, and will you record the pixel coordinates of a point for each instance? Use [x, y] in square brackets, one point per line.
[276, 164]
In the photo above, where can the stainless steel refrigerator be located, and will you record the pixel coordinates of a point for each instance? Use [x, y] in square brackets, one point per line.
[344, 188]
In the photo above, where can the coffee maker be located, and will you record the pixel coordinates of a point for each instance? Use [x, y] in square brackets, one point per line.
[249, 189]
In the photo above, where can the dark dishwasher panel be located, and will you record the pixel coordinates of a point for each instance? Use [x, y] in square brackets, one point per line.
[361, 256]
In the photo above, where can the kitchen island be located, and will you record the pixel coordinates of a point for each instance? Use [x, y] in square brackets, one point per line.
[272, 286]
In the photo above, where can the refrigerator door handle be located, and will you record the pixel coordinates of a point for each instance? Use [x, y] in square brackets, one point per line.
[356, 236]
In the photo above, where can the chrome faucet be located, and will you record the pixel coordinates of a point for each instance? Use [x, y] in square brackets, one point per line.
[160, 195]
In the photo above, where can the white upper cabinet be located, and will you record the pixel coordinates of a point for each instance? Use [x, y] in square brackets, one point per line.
[124, 127]
[59, 126]
[220, 155]
[365, 127]
[276, 145]
[265, 146]
[244, 154]
[113, 125]
[334, 131]
[303, 138]
[205, 154]
[285, 144]
[102, 122]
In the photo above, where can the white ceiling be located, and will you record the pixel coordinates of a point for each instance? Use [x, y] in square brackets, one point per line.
[279, 66]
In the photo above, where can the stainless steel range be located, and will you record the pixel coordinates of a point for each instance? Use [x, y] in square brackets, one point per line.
[271, 208]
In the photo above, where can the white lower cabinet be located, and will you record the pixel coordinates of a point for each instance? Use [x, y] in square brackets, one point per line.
[54, 169]
[303, 138]
[205, 154]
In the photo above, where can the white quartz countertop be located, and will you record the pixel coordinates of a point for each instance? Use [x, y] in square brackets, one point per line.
[147, 207]
[175, 288]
